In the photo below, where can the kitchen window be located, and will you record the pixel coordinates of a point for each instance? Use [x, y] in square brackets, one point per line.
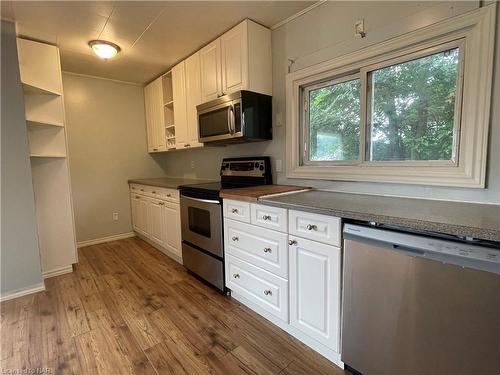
[415, 110]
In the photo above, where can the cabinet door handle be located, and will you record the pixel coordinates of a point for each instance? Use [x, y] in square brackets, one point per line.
[268, 292]
[187, 145]
[292, 242]
[234, 211]
[266, 217]
[142, 189]
[235, 239]
[236, 276]
[133, 188]
[267, 249]
[311, 227]
[154, 192]
[155, 149]
[138, 197]
[169, 195]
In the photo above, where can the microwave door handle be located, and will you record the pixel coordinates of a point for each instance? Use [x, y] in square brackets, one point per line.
[232, 119]
[229, 128]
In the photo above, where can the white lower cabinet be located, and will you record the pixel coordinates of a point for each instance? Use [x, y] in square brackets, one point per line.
[157, 221]
[315, 290]
[171, 219]
[154, 219]
[291, 280]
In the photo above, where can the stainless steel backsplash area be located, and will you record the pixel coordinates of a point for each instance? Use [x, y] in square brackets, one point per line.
[321, 34]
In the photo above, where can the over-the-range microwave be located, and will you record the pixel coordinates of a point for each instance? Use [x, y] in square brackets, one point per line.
[242, 116]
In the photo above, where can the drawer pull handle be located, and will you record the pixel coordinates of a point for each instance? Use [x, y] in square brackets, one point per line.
[311, 227]
[234, 211]
[133, 188]
[266, 217]
[267, 249]
[161, 203]
[138, 197]
[142, 189]
[236, 276]
[235, 239]
[267, 292]
[169, 195]
[292, 242]
[154, 192]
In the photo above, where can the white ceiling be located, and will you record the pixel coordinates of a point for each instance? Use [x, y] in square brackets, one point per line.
[153, 35]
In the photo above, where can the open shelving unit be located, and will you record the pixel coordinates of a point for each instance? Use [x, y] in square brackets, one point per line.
[40, 71]
[168, 109]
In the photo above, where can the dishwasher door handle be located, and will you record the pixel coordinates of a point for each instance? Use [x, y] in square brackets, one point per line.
[407, 249]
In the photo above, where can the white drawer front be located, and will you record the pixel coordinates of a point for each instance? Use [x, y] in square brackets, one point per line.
[264, 248]
[237, 210]
[322, 228]
[266, 290]
[269, 217]
[171, 195]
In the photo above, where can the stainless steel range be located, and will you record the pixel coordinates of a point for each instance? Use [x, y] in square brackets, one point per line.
[201, 215]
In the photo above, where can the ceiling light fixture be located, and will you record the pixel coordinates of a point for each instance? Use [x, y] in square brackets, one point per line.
[105, 50]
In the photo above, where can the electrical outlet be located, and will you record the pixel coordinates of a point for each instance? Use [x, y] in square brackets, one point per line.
[192, 164]
[115, 216]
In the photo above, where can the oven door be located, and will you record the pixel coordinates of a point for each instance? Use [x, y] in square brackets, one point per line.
[220, 122]
[201, 222]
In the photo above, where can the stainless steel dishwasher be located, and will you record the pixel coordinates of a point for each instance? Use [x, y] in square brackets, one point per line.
[419, 305]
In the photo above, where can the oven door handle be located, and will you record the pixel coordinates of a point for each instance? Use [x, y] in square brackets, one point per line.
[201, 200]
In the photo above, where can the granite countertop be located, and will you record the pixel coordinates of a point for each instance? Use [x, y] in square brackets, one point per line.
[167, 182]
[252, 193]
[480, 221]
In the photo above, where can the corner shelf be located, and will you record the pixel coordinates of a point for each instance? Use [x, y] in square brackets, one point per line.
[43, 123]
[29, 89]
[47, 156]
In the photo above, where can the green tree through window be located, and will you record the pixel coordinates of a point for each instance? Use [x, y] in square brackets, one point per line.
[334, 122]
[413, 107]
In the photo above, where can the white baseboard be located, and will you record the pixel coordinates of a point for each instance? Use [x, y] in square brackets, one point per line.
[114, 237]
[57, 272]
[326, 352]
[40, 287]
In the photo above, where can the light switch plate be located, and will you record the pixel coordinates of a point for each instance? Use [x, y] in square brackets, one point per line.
[278, 165]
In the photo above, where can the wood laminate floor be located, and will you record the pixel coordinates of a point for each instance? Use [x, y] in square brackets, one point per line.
[129, 309]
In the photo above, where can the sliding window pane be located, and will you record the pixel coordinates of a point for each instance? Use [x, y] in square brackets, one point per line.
[413, 108]
[334, 118]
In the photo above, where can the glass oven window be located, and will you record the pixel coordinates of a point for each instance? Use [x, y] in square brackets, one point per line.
[213, 123]
[199, 221]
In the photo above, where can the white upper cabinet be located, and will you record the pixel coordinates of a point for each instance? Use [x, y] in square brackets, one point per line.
[179, 92]
[239, 60]
[193, 97]
[186, 86]
[234, 49]
[210, 60]
[155, 121]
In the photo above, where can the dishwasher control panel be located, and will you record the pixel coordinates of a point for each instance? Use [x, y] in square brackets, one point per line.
[458, 253]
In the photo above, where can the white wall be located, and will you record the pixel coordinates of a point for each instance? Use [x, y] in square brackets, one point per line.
[20, 256]
[327, 32]
[107, 146]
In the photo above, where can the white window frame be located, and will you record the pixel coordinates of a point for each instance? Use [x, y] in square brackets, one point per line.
[474, 34]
